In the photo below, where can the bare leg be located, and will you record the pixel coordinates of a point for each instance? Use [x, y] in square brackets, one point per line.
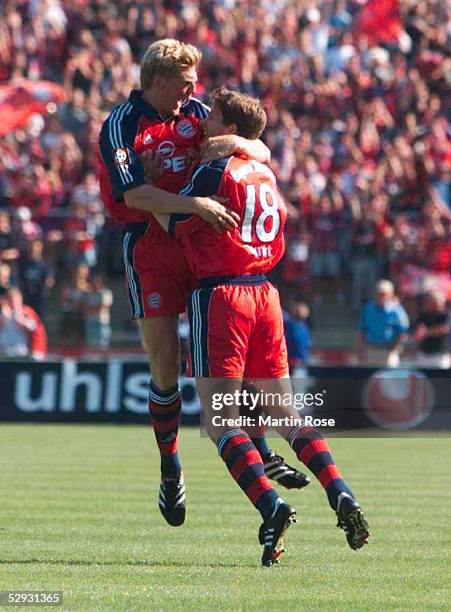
[163, 349]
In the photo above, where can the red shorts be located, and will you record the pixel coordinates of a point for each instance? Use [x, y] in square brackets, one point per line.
[158, 278]
[237, 331]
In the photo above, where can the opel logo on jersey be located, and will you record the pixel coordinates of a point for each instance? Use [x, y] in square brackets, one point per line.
[186, 129]
[166, 148]
[154, 300]
[398, 399]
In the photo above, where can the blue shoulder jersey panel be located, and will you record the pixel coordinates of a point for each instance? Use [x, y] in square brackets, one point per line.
[198, 108]
[206, 178]
[117, 137]
[205, 181]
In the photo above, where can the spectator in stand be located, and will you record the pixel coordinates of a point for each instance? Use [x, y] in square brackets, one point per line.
[402, 244]
[25, 229]
[35, 277]
[33, 190]
[5, 276]
[75, 117]
[324, 258]
[295, 264]
[383, 328]
[8, 250]
[365, 259]
[431, 333]
[96, 308]
[297, 334]
[79, 236]
[22, 333]
[87, 194]
[14, 329]
[72, 298]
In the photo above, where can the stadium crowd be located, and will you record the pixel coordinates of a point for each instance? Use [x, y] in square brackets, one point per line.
[356, 125]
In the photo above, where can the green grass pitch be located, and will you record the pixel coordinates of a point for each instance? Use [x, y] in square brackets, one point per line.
[78, 513]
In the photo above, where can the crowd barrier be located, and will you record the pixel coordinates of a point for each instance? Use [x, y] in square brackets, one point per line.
[115, 391]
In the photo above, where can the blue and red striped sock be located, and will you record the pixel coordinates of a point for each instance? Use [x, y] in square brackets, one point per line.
[245, 465]
[257, 435]
[165, 408]
[314, 452]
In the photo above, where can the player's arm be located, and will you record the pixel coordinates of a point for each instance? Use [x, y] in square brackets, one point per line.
[218, 147]
[154, 200]
[204, 182]
[128, 181]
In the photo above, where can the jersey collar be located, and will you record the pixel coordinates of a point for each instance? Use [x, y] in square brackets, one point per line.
[135, 98]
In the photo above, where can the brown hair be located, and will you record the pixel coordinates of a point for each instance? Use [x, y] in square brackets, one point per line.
[247, 113]
[167, 57]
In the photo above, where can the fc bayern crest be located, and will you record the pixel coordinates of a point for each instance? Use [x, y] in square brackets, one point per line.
[154, 300]
[186, 129]
[398, 399]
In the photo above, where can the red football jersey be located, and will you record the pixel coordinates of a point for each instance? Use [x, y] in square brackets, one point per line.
[134, 127]
[257, 244]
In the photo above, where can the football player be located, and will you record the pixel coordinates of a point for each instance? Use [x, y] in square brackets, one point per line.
[237, 326]
[164, 117]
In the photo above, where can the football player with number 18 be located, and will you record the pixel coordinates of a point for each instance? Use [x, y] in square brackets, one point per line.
[237, 326]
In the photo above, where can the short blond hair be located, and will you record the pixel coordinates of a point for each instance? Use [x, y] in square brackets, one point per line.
[167, 57]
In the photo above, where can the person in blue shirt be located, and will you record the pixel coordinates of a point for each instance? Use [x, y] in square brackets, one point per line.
[383, 328]
[297, 334]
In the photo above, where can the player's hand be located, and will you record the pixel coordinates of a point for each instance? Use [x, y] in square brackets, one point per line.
[153, 165]
[218, 147]
[217, 215]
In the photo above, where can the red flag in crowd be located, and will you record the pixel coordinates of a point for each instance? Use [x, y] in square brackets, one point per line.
[22, 99]
[380, 21]
[37, 334]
